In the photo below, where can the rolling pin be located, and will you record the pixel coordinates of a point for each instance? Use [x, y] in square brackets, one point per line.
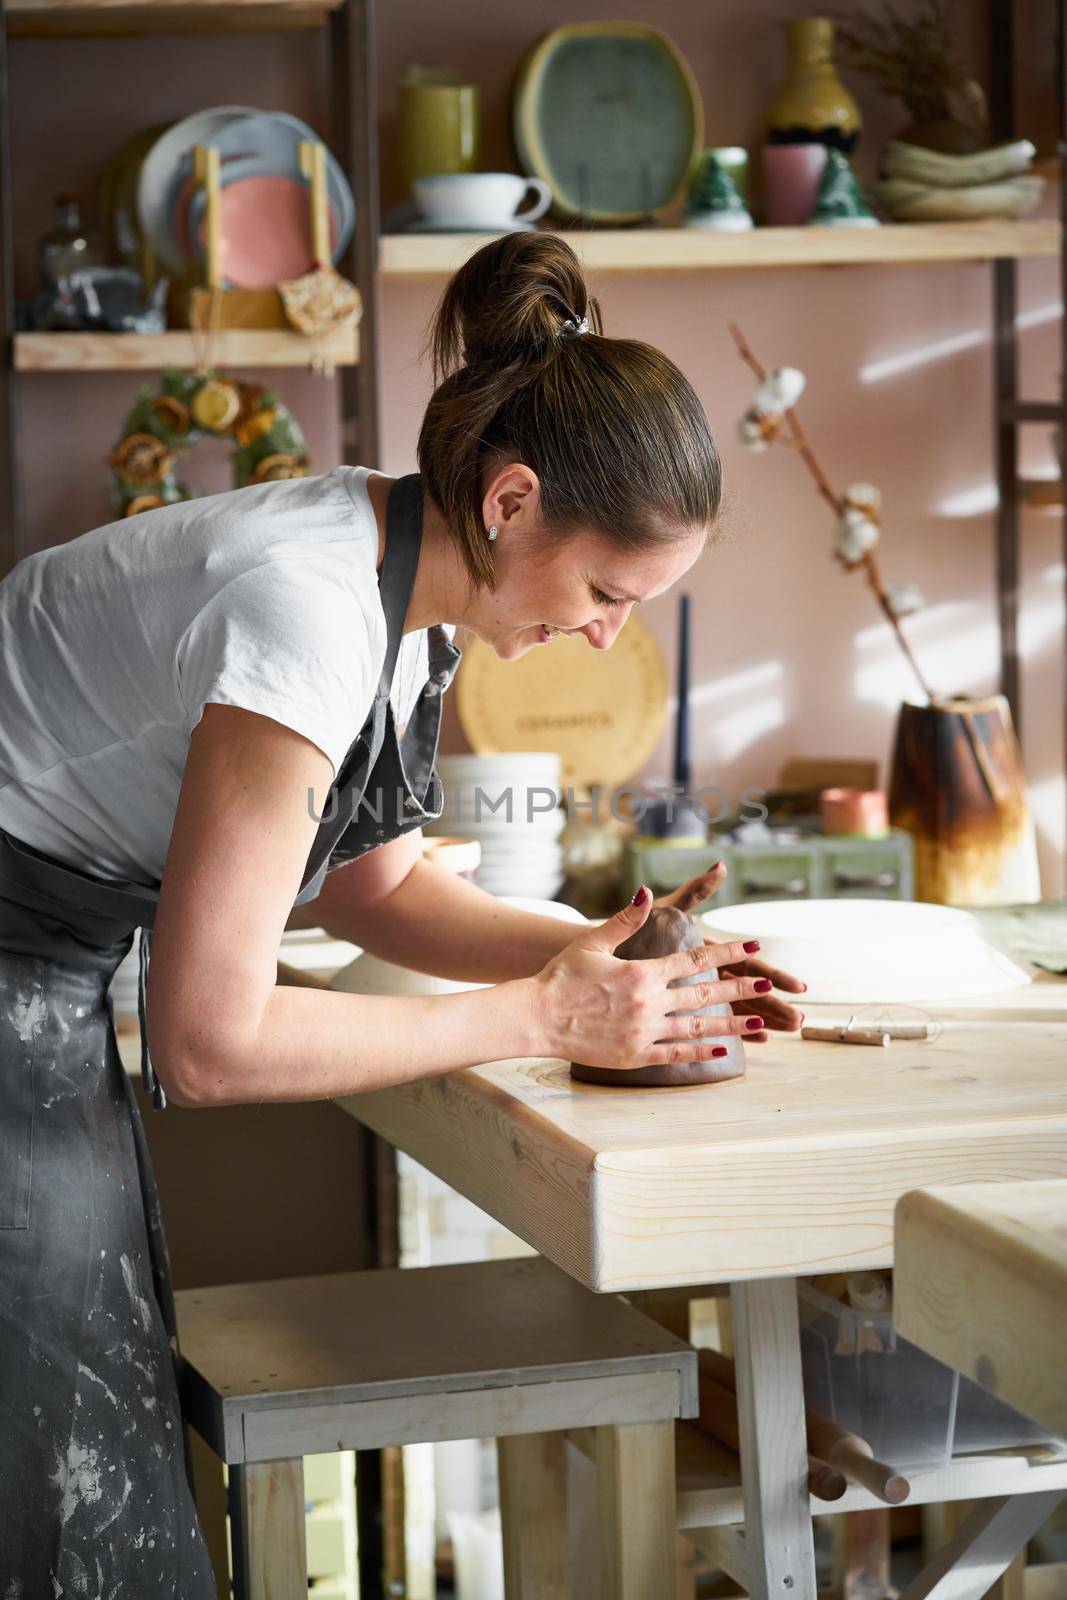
[718, 1416]
[828, 1445]
[856, 1460]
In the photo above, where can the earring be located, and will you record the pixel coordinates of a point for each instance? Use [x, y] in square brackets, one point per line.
[492, 530]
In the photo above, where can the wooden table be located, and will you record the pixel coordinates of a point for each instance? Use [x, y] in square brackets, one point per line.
[981, 1283]
[794, 1169]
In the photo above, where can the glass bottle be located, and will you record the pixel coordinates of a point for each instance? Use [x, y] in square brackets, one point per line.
[69, 244]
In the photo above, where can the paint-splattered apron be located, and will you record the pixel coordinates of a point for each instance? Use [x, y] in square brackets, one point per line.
[95, 1498]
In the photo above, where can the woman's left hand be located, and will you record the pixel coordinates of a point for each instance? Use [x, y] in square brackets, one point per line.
[778, 1014]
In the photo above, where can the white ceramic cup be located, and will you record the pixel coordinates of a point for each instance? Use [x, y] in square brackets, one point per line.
[487, 199]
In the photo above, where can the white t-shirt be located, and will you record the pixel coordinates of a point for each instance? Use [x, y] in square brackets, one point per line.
[112, 645]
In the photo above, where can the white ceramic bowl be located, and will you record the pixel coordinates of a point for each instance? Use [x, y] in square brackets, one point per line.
[870, 952]
[498, 851]
[526, 762]
[501, 834]
[539, 885]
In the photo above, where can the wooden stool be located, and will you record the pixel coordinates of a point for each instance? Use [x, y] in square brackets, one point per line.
[513, 1350]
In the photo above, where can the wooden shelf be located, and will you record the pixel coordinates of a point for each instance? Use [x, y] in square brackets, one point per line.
[44, 19]
[1042, 494]
[149, 352]
[709, 1485]
[432, 255]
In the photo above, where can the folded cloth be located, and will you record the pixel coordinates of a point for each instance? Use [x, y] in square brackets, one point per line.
[1035, 933]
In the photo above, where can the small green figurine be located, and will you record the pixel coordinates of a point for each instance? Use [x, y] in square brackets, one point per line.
[840, 202]
[714, 201]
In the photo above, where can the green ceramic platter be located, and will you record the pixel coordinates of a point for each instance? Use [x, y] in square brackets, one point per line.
[609, 115]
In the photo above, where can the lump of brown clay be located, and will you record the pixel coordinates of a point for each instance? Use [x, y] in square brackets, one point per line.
[666, 931]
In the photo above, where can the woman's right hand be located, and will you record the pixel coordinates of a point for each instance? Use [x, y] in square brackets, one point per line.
[604, 1011]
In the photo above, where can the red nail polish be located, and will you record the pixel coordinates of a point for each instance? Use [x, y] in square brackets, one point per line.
[750, 945]
[804, 988]
[762, 985]
[720, 1050]
[752, 1023]
[640, 896]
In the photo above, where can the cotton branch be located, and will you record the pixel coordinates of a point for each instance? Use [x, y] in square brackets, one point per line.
[797, 440]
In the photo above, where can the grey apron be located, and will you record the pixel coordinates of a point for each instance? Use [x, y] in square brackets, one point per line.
[95, 1496]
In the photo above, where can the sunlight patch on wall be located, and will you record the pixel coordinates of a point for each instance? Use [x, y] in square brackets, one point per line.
[734, 711]
[922, 355]
[977, 501]
[956, 645]
[1047, 800]
[1040, 623]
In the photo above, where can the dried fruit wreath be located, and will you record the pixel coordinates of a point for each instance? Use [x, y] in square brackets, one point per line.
[162, 426]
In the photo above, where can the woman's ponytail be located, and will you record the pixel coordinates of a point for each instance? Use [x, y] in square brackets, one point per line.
[615, 433]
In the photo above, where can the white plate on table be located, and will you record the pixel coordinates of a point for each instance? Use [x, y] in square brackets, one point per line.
[871, 952]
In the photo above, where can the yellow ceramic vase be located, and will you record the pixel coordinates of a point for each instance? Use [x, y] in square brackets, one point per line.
[813, 105]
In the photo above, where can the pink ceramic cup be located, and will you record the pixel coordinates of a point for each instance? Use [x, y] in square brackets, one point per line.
[862, 813]
[791, 174]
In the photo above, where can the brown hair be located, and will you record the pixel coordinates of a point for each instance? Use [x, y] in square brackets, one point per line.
[615, 433]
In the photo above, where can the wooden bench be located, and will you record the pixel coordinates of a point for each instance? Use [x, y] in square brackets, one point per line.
[513, 1350]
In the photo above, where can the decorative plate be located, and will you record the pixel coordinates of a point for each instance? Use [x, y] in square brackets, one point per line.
[602, 710]
[609, 115]
[156, 180]
[265, 226]
[261, 146]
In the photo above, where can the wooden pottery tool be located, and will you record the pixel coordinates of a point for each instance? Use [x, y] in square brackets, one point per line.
[845, 1035]
[876, 1033]
[666, 931]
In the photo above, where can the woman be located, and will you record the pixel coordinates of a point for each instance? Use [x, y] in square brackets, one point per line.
[176, 689]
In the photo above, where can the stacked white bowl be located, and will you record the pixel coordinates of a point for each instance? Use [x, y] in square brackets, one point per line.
[503, 801]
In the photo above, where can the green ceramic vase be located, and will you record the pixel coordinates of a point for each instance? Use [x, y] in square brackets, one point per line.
[438, 128]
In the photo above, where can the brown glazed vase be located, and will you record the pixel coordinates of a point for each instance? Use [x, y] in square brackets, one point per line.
[666, 931]
[958, 787]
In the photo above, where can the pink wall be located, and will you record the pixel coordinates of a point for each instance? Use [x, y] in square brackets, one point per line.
[790, 657]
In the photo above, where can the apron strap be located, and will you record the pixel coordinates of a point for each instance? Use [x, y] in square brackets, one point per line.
[403, 541]
[151, 1083]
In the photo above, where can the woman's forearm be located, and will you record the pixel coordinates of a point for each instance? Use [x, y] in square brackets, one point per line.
[437, 922]
[313, 1044]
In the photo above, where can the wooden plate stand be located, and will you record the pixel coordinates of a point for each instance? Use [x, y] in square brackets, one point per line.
[211, 306]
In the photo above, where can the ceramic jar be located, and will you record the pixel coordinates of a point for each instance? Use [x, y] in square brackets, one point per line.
[957, 786]
[438, 127]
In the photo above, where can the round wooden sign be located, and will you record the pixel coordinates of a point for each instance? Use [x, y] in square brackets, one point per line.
[602, 710]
